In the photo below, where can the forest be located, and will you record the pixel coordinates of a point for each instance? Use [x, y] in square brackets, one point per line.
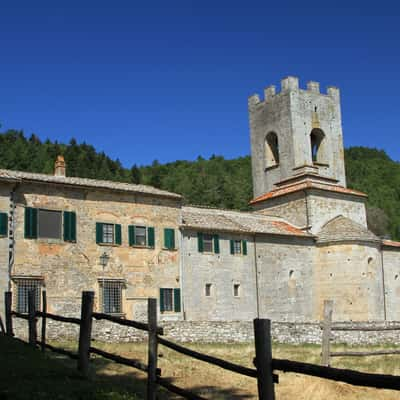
[215, 182]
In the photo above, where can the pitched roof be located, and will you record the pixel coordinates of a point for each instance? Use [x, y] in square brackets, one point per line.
[237, 221]
[8, 175]
[391, 243]
[305, 185]
[341, 229]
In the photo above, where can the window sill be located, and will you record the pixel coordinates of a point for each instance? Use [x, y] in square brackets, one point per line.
[320, 164]
[50, 241]
[135, 246]
[167, 249]
[109, 244]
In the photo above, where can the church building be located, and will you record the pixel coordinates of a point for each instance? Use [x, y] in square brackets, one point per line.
[306, 239]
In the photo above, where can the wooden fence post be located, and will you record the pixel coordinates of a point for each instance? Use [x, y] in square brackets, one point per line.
[32, 317]
[44, 311]
[152, 350]
[326, 333]
[85, 332]
[8, 310]
[263, 361]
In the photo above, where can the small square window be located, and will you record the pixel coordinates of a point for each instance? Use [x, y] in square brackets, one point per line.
[208, 243]
[108, 233]
[236, 290]
[49, 224]
[208, 289]
[140, 236]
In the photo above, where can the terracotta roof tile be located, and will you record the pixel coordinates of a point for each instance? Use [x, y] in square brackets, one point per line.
[237, 221]
[391, 243]
[341, 228]
[305, 185]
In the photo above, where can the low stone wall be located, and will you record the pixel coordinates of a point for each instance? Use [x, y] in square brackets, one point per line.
[219, 332]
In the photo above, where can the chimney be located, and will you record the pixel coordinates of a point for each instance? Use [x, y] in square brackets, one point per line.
[59, 166]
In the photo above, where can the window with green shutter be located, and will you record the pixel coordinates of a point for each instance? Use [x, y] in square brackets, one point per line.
[238, 246]
[200, 242]
[177, 300]
[31, 223]
[141, 236]
[107, 233]
[150, 237]
[69, 226]
[244, 246]
[170, 300]
[207, 243]
[3, 224]
[216, 244]
[169, 238]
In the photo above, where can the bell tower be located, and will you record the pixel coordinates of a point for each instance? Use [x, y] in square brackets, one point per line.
[298, 158]
[296, 133]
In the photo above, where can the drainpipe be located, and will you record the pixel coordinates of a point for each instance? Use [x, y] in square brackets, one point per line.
[11, 230]
[383, 285]
[181, 267]
[256, 271]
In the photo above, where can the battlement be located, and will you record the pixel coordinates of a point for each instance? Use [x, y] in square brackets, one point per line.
[291, 84]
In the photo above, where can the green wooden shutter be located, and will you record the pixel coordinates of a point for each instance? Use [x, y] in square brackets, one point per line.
[169, 238]
[30, 223]
[177, 300]
[118, 234]
[150, 237]
[162, 308]
[200, 243]
[99, 232]
[244, 246]
[131, 234]
[73, 226]
[216, 244]
[69, 226]
[232, 242]
[3, 224]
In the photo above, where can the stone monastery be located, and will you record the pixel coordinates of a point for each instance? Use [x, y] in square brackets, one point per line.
[305, 241]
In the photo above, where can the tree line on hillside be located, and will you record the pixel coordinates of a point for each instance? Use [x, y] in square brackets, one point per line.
[215, 182]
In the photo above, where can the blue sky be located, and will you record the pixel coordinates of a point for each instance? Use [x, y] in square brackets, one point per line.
[170, 80]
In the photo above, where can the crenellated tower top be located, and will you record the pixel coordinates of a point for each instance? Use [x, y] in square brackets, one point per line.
[296, 133]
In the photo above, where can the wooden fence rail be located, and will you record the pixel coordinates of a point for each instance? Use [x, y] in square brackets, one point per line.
[264, 363]
[328, 327]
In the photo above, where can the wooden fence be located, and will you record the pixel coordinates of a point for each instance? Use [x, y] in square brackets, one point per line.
[263, 362]
[328, 327]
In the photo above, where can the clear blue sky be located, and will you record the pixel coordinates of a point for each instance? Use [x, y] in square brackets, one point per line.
[169, 80]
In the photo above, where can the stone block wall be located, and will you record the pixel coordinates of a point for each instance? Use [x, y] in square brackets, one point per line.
[67, 269]
[221, 332]
[222, 271]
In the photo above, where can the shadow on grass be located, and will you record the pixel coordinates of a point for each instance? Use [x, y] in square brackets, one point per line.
[136, 382]
[27, 373]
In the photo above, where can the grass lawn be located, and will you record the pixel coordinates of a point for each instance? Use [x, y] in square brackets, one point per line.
[27, 374]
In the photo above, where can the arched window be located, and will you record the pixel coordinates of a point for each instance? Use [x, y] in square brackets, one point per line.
[317, 145]
[271, 150]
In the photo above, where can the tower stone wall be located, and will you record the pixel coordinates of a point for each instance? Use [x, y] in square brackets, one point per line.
[297, 117]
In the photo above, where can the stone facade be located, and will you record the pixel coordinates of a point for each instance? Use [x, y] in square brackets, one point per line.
[305, 241]
[67, 269]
